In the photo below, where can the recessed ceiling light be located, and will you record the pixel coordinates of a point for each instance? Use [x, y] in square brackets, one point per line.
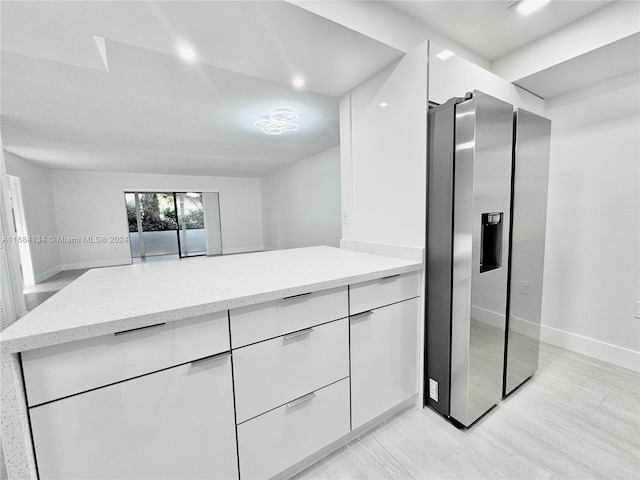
[298, 82]
[187, 53]
[383, 104]
[525, 7]
[444, 54]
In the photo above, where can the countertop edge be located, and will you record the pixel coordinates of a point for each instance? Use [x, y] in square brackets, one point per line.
[31, 342]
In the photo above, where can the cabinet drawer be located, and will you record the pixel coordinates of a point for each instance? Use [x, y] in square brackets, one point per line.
[177, 423]
[272, 442]
[271, 373]
[271, 319]
[62, 370]
[385, 291]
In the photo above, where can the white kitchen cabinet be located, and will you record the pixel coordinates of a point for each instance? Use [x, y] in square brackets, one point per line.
[61, 370]
[384, 359]
[133, 406]
[384, 291]
[278, 439]
[259, 322]
[271, 373]
[176, 423]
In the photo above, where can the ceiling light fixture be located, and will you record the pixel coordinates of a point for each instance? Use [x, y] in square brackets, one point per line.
[187, 54]
[444, 54]
[525, 7]
[298, 82]
[383, 104]
[278, 122]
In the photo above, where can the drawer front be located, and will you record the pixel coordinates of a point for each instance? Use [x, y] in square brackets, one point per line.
[269, 374]
[271, 319]
[61, 370]
[273, 442]
[177, 423]
[385, 291]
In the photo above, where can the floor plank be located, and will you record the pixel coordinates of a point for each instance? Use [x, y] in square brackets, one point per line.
[418, 450]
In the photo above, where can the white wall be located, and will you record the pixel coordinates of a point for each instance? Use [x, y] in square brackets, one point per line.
[39, 213]
[301, 203]
[456, 76]
[92, 203]
[591, 277]
[383, 153]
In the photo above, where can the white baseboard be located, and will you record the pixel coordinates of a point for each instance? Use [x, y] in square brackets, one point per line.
[47, 274]
[614, 354]
[606, 352]
[97, 263]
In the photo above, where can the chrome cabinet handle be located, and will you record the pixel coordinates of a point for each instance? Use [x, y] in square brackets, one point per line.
[212, 358]
[299, 333]
[297, 296]
[362, 315]
[390, 277]
[301, 400]
[139, 328]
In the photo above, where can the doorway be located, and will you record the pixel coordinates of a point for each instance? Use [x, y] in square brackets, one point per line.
[163, 225]
[20, 227]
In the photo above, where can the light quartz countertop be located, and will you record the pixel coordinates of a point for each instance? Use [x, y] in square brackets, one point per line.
[108, 300]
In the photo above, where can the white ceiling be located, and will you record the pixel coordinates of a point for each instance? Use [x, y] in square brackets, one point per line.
[273, 40]
[488, 27]
[151, 112]
[494, 32]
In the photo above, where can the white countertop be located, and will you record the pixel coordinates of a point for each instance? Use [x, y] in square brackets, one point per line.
[108, 300]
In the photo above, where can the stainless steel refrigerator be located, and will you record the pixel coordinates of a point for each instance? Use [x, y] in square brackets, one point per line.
[486, 215]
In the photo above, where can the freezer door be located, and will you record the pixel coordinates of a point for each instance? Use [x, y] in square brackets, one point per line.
[439, 256]
[481, 219]
[529, 212]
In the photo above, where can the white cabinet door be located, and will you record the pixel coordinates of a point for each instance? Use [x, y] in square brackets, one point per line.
[384, 359]
[177, 423]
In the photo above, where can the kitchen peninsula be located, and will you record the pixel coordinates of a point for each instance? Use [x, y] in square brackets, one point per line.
[246, 366]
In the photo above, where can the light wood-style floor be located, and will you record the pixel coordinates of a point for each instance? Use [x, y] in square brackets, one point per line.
[36, 294]
[577, 418]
